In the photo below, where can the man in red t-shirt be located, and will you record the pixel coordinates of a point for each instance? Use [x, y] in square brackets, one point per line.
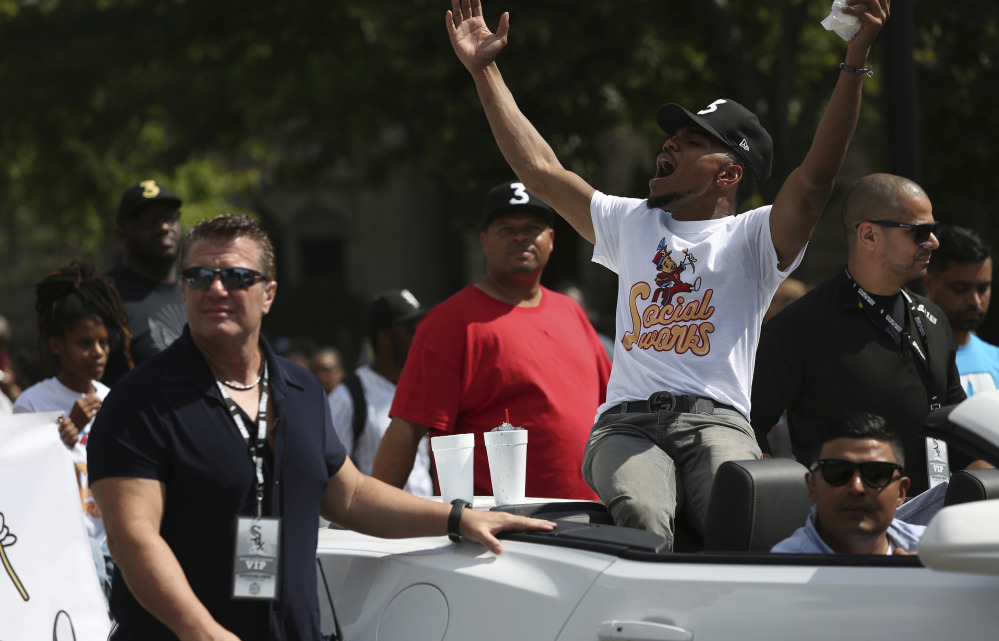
[504, 343]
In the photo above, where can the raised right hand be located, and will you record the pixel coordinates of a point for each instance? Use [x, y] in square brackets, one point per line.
[84, 410]
[872, 14]
[473, 42]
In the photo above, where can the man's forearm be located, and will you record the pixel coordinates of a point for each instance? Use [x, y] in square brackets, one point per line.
[367, 505]
[834, 133]
[370, 506]
[527, 153]
[835, 130]
[157, 580]
[806, 191]
[530, 156]
[132, 510]
[397, 452]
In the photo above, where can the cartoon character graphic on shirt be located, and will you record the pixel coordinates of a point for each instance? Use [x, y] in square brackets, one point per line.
[82, 477]
[668, 279]
[671, 322]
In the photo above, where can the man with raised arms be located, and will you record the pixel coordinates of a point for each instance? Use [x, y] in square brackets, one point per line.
[694, 279]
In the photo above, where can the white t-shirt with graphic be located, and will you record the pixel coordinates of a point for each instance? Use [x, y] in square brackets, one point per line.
[52, 396]
[691, 299]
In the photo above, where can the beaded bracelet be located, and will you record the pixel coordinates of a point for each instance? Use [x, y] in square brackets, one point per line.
[867, 71]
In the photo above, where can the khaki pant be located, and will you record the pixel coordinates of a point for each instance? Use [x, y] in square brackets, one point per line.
[646, 466]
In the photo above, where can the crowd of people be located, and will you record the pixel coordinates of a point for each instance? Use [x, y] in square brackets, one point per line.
[179, 411]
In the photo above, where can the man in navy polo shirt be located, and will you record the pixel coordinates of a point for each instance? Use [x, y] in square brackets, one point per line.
[212, 461]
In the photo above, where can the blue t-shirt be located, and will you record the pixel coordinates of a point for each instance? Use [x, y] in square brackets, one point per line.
[978, 363]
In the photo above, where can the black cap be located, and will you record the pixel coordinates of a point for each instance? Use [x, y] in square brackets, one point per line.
[142, 195]
[513, 197]
[734, 125]
[392, 306]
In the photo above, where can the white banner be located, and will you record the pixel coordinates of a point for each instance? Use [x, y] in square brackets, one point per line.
[48, 584]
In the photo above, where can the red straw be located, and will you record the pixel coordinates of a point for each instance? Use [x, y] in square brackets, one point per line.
[508, 415]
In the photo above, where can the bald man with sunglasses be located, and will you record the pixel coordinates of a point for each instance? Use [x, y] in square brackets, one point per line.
[862, 341]
[857, 483]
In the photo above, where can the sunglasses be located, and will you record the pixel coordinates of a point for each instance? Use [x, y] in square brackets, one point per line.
[232, 277]
[875, 474]
[920, 233]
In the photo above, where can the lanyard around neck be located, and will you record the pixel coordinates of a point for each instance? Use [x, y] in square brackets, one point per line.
[877, 313]
[255, 449]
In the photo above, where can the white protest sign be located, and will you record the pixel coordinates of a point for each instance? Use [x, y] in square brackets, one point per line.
[48, 585]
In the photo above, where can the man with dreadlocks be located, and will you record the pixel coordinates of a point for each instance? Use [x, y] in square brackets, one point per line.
[76, 311]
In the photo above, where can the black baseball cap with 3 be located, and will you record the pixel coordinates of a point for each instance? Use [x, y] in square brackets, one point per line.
[393, 306]
[734, 125]
[513, 197]
[142, 195]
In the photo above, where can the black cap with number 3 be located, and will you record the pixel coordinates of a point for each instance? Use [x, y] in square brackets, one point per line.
[513, 197]
[142, 195]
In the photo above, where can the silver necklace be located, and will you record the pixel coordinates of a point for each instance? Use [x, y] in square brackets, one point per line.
[239, 386]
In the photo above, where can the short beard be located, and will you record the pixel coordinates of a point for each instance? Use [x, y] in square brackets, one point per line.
[902, 273]
[161, 259]
[961, 325]
[663, 202]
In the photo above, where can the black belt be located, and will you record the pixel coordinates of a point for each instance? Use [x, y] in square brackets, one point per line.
[669, 402]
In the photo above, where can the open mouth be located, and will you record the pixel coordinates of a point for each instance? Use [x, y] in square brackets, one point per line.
[665, 165]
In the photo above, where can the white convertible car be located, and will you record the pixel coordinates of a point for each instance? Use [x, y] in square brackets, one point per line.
[590, 580]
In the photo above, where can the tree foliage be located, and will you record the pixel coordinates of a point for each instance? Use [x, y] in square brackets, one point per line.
[227, 99]
[957, 58]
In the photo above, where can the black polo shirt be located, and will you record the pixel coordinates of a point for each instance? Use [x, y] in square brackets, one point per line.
[166, 420]
[823, 355]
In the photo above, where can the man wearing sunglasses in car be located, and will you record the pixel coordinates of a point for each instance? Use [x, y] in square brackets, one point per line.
[862, 341]
[857, 482]
[212, 461]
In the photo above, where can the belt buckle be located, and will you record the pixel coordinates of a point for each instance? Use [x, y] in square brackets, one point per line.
[660, 401]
